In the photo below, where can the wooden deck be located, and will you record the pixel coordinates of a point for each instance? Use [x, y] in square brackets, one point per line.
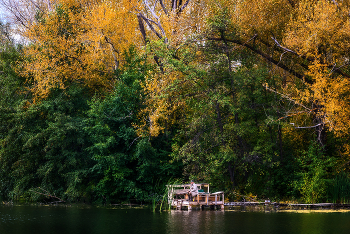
[179, 199]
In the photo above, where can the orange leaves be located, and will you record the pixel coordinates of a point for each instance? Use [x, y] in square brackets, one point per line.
[318, 27]
[79, 41]
[262, 17]
[320, 32]
[111, 26]
[189, 23]
[162, 101]
[310, 37]
[332, 93]
[84, 40]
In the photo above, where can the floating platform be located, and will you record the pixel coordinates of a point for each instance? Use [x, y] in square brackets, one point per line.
[179, 199]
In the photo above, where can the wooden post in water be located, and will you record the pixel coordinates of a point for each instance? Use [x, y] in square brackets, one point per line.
[223, 202]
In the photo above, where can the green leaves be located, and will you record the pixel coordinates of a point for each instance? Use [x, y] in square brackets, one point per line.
[313, 172]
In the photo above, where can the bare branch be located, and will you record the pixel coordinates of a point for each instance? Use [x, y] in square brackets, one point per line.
[133, 142]
[308, 126]
[286, 97]
[154, 5]
[284, 48]
[36, 5]
[291, 3]
[150, 25]
[163, 6]
[297, 113]
[335, 3]
[116, 62]
[173, 7]
[47, 194]
[152, 11]
[184, 6]
[265, 56]
[337, 70]
[22, 12]
[142, 27]
[149, 21]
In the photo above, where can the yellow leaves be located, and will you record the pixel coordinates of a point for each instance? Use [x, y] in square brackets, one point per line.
[162, 102]
[262, 17]
[79, 41]
[314, 35]
[318, 27]
[320, 31]
[331, 94]
[84, 40]
[113, 20]
[111, 29]
[181, 25]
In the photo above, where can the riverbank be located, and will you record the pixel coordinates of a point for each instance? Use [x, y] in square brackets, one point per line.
[286, 207]
[229, 206]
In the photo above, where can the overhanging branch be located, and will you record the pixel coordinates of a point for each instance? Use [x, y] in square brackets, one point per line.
[265, 56]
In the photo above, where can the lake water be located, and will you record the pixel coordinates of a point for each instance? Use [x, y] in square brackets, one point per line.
[59, 219]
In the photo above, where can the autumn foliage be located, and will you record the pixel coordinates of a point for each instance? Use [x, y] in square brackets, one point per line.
[251, 95]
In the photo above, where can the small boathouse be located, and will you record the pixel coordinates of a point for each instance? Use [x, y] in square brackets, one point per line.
[178, 197]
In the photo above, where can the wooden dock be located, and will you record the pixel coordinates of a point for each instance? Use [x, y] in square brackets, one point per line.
[280, 207]
[179, 199]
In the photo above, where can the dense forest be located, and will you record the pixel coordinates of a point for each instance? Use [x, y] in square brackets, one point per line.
[107, 101]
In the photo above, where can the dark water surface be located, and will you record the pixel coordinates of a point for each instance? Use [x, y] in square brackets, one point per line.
[52, 219]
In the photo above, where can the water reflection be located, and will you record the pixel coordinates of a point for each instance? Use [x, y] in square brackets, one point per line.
[195, 222]
[36, 220]
[258, 222]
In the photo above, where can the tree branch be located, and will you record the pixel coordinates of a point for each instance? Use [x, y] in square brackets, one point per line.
[116, 62]
[37, 6]
[150, 25]
[152, 11]
[163, 6]
[154, 5]
[47, 194]
[184, 6]
[291, 3]
[173, 5]
[142, 28]
[337, 70]
[265, 56]
[307, 126]
[335, 3]
[286, 97]
[284, 48]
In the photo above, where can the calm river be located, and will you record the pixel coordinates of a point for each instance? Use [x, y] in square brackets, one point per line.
[52, 219]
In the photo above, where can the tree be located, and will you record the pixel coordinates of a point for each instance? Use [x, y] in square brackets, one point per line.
[86, 39]
[127, 166]
[305, 39]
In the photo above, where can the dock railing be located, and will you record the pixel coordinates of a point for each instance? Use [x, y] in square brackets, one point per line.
[178, 196]
[181, 190]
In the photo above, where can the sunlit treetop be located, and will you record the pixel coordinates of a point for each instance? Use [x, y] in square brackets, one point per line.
[84, 40]
[79, 41]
